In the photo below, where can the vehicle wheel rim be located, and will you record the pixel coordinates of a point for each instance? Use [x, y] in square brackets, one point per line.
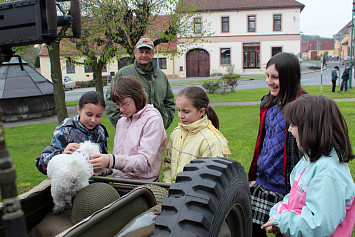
[234, 222]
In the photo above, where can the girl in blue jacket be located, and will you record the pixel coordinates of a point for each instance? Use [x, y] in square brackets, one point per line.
[321, 201]
[84, 127]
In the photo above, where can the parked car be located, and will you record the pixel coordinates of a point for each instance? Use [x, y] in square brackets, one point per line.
[68, 83]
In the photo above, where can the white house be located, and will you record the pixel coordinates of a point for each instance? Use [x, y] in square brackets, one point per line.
[245, 35]
[80, 73]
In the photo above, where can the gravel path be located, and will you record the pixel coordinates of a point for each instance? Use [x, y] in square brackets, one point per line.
[72, 112]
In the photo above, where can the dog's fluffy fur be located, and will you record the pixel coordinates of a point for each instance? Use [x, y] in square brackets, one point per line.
[69, 173]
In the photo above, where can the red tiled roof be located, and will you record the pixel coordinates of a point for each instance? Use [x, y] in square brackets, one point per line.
[160, 24]
[222, 5]
[345, 29]
[325, 44]
[66, 47]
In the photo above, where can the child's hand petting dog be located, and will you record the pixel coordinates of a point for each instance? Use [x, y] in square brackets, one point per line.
[99, 161]
[71, 148]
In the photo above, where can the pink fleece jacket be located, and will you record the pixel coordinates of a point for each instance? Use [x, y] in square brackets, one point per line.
[139, 144]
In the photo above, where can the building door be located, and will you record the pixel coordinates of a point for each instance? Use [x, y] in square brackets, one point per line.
[197, 63]
[313, 54]
[251, 55]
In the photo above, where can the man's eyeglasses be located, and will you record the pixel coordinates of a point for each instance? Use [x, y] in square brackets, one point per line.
[124, 105]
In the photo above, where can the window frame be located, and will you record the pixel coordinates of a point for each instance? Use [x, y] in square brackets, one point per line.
[87, 68]
[251, 21]
[276, 21]
[275, 48]
[225, 23]
[69, 67]
[163, 63]
[220, 55]
[197, 22]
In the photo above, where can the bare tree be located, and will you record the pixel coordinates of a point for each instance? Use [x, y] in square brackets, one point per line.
[112, 28]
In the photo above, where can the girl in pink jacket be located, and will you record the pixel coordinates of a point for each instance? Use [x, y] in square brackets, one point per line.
[140, 138]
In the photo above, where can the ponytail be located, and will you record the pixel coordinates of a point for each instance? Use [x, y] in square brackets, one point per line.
[211, 114]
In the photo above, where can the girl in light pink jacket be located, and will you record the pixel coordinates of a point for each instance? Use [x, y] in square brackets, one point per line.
[140, 138]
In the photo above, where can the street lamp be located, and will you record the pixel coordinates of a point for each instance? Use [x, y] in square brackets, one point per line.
[351, 47]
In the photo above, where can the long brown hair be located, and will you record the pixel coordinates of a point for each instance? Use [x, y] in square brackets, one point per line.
[288, 66]
[200, 100]
[321, 127]
[129, 86]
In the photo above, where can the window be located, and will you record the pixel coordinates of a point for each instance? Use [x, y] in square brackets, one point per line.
[225, 24]
[225, 56]
[87, 68]
[162, 63]
[69, 67]
[104, 68]
[197, 25]
[251, 23]
[277, 22]
[275, 50]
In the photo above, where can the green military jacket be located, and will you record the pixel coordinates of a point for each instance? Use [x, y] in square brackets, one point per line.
[157, 88]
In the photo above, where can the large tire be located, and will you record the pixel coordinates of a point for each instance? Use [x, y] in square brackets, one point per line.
[209, 193]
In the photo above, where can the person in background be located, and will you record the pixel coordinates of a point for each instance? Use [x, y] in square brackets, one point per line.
[334, 77]
[324, 61]
[140, 137]
[154, 81]
[276, 151]
[84, 127]
[197, 134]
[322, 198]
[345, 78]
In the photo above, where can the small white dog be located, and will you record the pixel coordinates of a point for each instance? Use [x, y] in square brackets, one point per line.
[69, 173]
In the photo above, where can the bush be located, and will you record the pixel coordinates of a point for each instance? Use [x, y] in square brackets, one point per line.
[314, 67]
[211, 87]
[86, 84]
[231, 81]
[230, 77]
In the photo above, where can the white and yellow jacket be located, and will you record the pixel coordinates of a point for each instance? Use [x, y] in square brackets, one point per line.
[188, 142]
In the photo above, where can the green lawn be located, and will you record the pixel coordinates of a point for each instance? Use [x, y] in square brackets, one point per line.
[239, 124]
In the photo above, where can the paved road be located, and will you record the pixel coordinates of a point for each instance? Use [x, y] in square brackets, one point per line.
[308, 77]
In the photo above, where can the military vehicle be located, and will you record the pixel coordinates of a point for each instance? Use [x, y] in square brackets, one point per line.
[210, 197]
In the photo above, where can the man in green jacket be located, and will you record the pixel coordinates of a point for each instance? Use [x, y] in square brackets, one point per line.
[154, 81]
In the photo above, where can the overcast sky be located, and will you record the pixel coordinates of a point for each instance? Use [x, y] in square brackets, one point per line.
[325, 17]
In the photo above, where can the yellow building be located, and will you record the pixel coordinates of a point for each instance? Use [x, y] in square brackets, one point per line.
[81, 73]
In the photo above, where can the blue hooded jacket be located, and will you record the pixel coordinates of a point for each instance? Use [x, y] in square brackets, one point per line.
[70, 131]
